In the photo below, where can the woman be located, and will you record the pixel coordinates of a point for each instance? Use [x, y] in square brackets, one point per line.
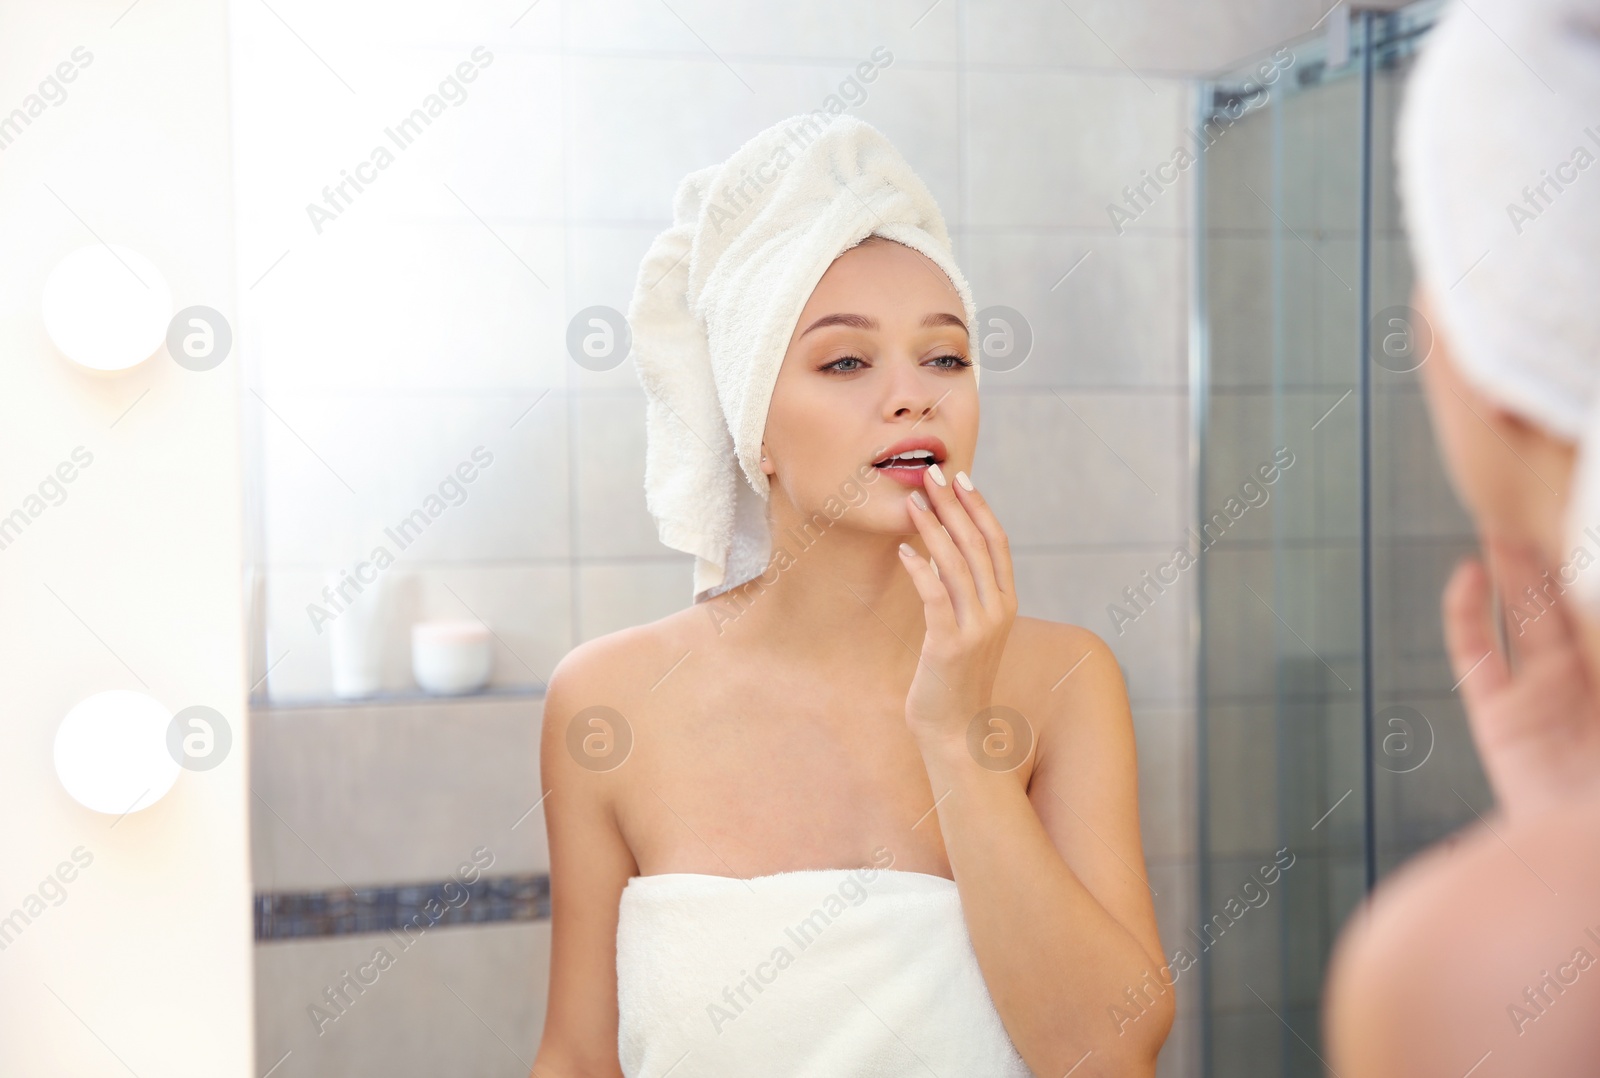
[851, 686]
[1482, 956]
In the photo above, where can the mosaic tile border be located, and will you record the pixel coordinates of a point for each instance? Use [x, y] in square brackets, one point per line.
[419, 906]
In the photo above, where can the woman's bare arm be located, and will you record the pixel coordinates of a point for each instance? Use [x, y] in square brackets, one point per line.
[590, 864]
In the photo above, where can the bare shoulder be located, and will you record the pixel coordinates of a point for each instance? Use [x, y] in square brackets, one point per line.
[1068, 664]
[624, 664]
[599, 696]
[1451, 957]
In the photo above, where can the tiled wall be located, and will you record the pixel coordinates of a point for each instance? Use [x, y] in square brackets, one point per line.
[429, 318]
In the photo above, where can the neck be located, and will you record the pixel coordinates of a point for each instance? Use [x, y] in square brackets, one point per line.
[838, 599]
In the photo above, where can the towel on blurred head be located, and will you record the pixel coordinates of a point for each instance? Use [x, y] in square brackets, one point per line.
[717, 299]
[1499, 161]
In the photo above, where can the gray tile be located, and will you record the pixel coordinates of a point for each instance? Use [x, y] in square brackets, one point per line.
[1180, 1056]
[1175, 883]
[1079, 587]
[1254, 430]
[426, 1013]
[1427, 803]
[393, 793]
[1237, 154]
[1412, 496]
[1242, 748]
[617, 595]
[1408, 645]
[1166, 748]
[1238, 279]
[1243, 944]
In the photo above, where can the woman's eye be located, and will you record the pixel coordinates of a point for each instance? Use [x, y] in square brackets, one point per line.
[834, 366]
[947, 362]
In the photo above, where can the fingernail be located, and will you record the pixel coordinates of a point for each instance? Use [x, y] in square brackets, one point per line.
[918, 500]
[936, 475]
[907, 550]
[961, 477]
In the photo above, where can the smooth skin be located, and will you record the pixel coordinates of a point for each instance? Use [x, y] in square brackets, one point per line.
[813, 716]
[1425, 977]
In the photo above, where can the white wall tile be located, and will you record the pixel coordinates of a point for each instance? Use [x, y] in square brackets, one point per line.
[612, 519]
[917, 29]
[387, 304]
[1084, 467]
[1104, 310]
[1134, 36]
[1057, 148]
[341, 469]
[637, 125]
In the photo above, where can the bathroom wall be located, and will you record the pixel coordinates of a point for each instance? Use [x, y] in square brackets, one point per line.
[136, 957]
[429, 317]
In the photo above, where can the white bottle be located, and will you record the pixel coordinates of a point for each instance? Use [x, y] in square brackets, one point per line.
[356, 639]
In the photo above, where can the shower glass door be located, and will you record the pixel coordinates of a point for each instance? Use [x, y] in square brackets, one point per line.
[1331, 745]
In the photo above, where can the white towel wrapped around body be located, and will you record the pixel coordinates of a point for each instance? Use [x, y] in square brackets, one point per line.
[717, 299]
[827, 973]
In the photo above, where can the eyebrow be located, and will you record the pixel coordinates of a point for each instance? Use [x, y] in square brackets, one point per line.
[861, 321]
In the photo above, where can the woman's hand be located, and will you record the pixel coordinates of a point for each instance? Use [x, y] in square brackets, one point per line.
[1537, 728]
[968, 607]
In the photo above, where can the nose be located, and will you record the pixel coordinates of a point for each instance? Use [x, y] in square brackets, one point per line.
[912, 396]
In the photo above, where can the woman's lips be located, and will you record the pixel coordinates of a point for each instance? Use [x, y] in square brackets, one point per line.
[909, 475]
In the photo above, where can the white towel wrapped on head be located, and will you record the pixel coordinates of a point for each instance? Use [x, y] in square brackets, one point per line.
[717, 299]
[1499, 162]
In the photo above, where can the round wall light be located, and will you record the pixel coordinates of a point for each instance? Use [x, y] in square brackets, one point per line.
[106, 307]
[111, 752]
